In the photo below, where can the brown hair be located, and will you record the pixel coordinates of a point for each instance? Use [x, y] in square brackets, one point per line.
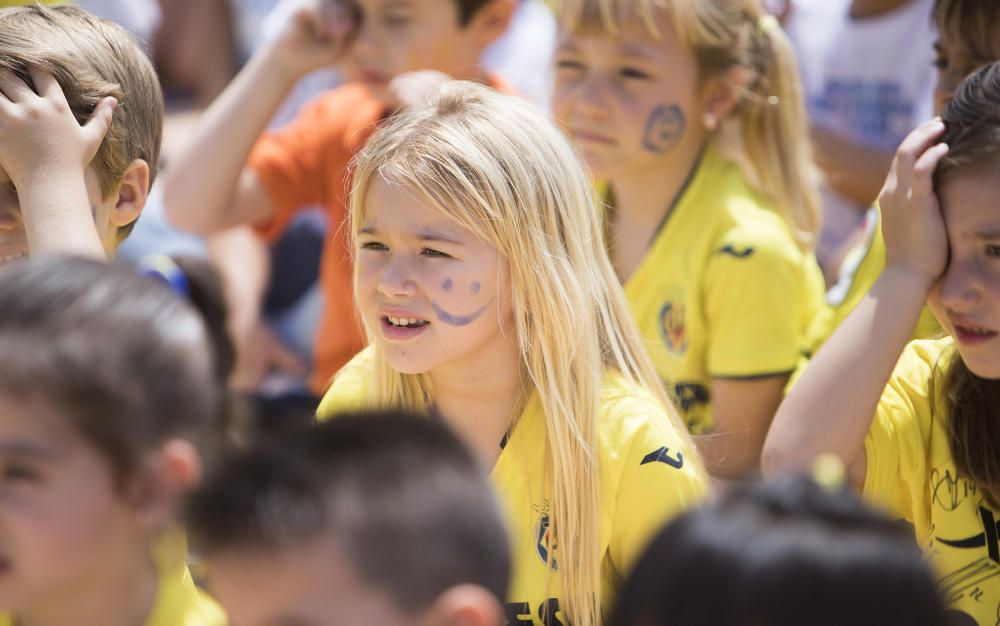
[973, 403]
[766, 133]
[972, 22]
[129, 362]
[91, 59]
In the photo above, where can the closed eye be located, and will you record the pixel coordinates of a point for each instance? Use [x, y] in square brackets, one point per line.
[631, 72]
[435, 254]
[374, 245]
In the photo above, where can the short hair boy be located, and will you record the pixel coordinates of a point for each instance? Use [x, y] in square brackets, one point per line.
[365, 519]
[225, 179]
[62, 73]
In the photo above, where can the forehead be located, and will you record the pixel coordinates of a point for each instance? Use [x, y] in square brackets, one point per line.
[970, 202]
[628, 33]
[427, 7]
[390, 207]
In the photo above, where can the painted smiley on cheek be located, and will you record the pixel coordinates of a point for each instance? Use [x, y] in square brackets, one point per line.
[453, 319]
[664, 128]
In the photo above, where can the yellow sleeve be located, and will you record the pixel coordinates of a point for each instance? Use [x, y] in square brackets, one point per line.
[896, 445]
[350, 388]
[659, 479]
[758, 304]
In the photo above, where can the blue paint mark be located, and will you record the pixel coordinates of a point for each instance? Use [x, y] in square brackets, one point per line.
[664, 128]
[447, 284]
[456, 320]
[476, 287]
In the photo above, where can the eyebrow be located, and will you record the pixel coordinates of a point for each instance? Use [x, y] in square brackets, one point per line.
[26, 449]
[988, 235]
[424, 235]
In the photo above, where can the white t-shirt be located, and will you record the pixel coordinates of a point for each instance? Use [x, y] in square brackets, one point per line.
[870, 80]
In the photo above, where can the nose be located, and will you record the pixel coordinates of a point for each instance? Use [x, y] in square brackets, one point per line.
[364, 46]
[395, 279]
[959, 289]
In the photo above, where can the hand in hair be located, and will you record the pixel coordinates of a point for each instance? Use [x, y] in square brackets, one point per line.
[45, 152]
[317, 35]
[912, 223]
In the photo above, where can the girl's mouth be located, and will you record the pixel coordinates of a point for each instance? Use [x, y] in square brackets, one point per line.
[402, 328]
[973, 335]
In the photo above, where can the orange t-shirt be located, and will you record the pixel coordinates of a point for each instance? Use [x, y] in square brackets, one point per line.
[303, 164]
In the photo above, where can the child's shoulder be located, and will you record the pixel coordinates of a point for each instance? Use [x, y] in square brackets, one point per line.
[628, 411]
[921, 359]
[351, 105]
[350, 386]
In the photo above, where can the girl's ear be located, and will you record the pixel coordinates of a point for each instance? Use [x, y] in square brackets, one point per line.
[159, 487]
[465, 605]
[721, 94]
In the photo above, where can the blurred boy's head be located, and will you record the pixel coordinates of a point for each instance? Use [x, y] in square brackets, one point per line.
[364, 519]
[91, 59]
[968, 38]
[399, 36]
[784, 553]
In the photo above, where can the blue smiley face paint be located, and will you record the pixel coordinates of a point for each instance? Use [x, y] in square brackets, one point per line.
[476, 287]
[456, 320]
[447, 284]
[664, 128]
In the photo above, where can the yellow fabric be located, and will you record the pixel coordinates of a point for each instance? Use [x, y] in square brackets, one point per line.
[911, 472]
[178, 602]
[724, 291]
[645, 479]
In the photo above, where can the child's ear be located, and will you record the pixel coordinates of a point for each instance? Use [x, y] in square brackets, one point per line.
[721, 94]
[492, 20]
[132, 194]
[160, 485]
[465, 605]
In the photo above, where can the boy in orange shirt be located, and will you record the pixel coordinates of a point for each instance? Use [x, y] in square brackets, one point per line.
[228, 177]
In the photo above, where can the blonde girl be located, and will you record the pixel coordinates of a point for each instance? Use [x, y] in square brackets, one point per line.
[484, 286]
[691, 112]
[926, 445]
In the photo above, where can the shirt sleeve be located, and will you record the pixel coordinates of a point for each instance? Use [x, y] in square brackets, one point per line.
[350, 388]
[757, 305]
[291, 163]
[896, 444]
[659, 479]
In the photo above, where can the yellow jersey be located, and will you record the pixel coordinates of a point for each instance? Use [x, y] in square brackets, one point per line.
[178, 602]
[724, 291]
[911, 472]
[646, 477]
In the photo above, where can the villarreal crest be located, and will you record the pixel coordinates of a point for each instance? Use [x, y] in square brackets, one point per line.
[672, 328]
[545, 542]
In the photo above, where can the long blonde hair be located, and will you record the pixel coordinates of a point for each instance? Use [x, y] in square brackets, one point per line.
[766, 133]
[497, 167]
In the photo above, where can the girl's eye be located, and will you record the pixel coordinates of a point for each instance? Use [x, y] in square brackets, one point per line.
[631, 72]
[374, 245]
[567, 64]
[940, 63]
[993, 250]
[436, 254]
[19, 473]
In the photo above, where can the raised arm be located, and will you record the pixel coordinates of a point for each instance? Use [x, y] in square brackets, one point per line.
[830, 409]
[208, 188]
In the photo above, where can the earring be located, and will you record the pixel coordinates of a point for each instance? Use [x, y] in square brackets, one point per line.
[710, 121]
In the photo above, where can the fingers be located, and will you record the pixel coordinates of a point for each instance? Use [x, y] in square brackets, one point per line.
[97, 126]
[922, 184]
[47, 86]
[915, 144]
[13, 88]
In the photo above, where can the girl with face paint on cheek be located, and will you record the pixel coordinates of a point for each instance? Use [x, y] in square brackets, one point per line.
[690, 114]
[489, 300]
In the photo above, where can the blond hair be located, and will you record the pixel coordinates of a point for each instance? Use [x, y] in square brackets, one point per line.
[91, 59]
[497, 167]
[766, 133]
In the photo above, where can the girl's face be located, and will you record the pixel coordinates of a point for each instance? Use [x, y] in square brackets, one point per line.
[955, 59]
[61, 518]
[433, 294]
[966, 299]
[630, 102]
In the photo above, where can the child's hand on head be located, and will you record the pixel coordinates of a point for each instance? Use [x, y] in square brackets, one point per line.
[316, 35]
[39, 136]
[912, 223]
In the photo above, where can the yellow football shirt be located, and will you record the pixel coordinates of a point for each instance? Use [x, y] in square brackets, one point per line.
[647, 476]
[724, 291]
[178, 602]
[911, 472]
